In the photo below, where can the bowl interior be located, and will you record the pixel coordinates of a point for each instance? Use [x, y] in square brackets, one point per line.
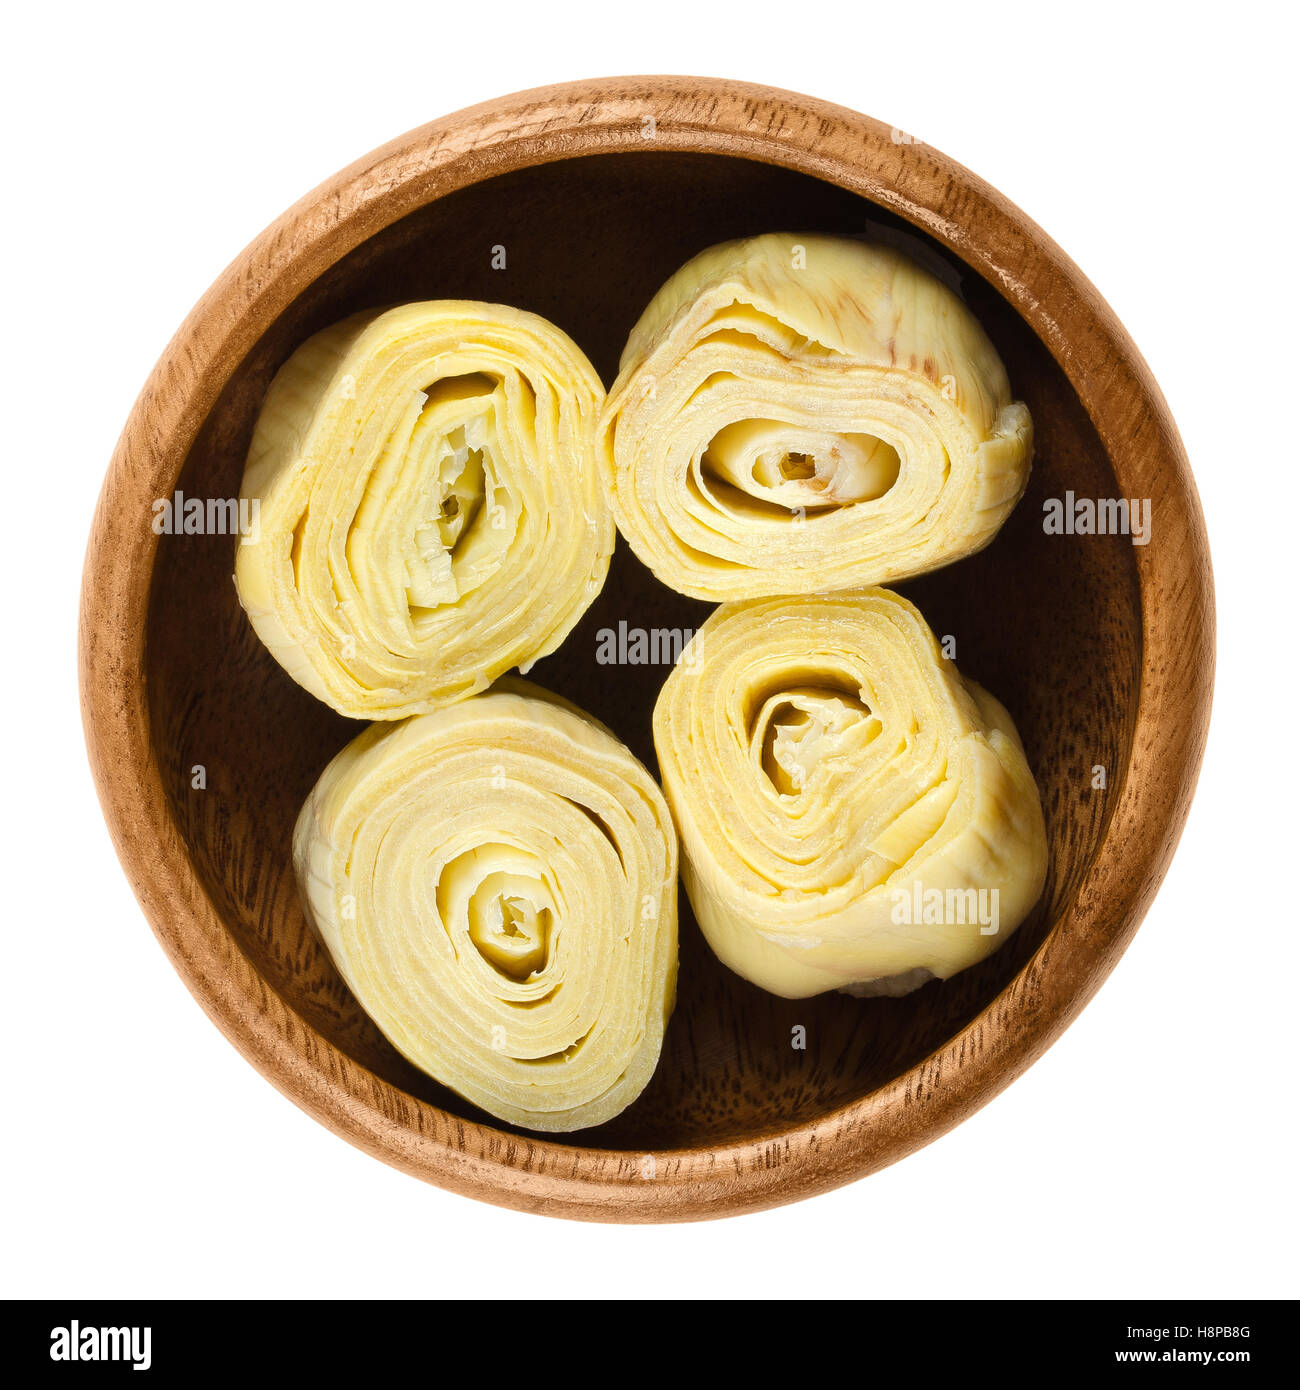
[1050, 624]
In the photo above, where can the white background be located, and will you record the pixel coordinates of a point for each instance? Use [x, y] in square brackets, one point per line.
[1151, 1153]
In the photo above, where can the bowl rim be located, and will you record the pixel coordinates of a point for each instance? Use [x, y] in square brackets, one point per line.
[1149, 803]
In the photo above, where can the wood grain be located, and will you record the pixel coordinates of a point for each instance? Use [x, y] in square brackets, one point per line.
[1102, 650]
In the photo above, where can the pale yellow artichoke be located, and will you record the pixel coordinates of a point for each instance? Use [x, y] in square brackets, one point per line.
[853, 814]
[431, 513]
[799, 414]
[496, 882]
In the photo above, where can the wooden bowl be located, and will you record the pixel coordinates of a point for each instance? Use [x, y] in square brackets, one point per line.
[1103, 650]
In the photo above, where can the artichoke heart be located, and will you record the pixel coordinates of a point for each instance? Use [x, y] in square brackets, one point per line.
[853, 813]
[496, 883]
[431, 511]
[803, 414]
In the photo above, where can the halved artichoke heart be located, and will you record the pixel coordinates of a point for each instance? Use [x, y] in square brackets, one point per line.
[799, 414]
[430, 509]
[853, 814]
[496, 883]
